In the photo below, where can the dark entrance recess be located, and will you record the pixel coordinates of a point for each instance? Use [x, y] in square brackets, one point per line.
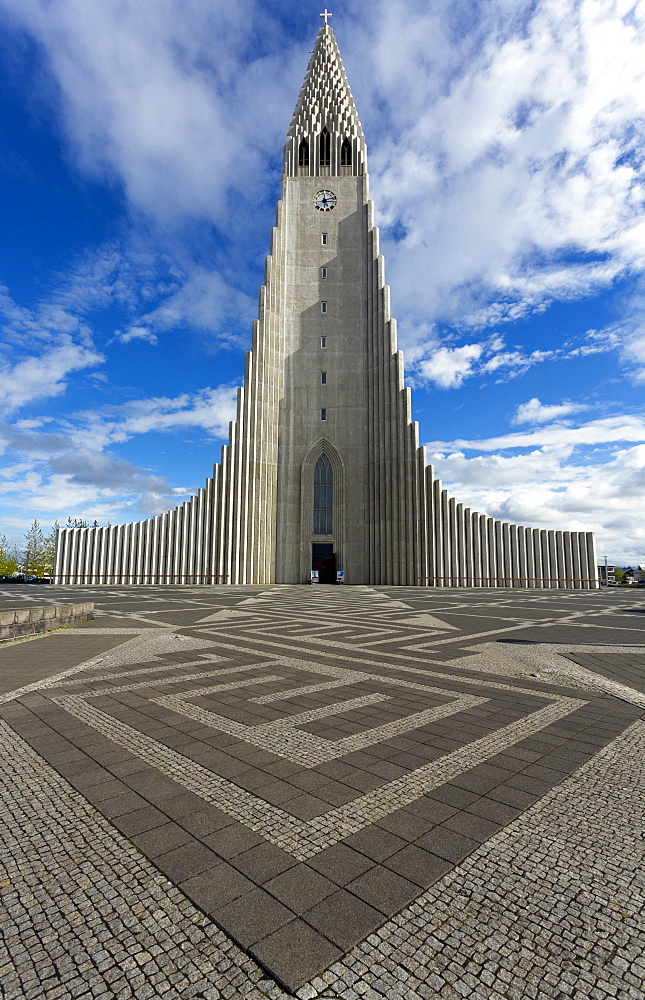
[323, 558]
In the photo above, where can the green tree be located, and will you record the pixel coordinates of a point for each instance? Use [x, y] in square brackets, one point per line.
[50, 548]
[619, 574]
[35, 551]
[10, 558]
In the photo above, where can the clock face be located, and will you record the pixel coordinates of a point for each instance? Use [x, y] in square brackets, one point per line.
[324, 200]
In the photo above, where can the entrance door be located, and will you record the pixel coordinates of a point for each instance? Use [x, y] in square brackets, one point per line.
[323, 558]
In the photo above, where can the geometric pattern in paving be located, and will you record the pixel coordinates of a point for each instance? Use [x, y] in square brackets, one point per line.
[304, 764]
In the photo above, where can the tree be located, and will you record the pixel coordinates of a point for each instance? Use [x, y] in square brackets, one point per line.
[35, 551]
[50, 548]
[619, 574]
[7, 564]
[10, 558]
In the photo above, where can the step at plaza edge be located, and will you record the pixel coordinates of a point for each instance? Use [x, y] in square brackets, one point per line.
[323, 466]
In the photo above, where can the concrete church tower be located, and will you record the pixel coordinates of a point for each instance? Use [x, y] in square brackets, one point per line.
[323, 466]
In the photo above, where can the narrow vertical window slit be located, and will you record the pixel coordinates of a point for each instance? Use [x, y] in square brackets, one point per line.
[324, 148]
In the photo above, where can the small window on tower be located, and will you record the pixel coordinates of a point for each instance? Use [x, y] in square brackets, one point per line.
[323, 272]
[323, 307]
[303, 154]
[323, 378]
[323, 414]
[324, 148]
[323, 342]
[346, 154]
[324, 239]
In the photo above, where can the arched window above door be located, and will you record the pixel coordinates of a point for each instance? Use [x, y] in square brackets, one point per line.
[323, 496]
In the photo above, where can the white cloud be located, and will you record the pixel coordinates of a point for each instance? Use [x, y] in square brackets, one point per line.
[449, 366]
[91, 431]
[535, 412]
[508, 150]
[605, 430]
[634, 354]
[205, 302]
[564, 478]
[106, 473]
[135, 333]
[158, 95]
[505, 136]
[548, 488]
[208, 409]
[69, 469]
[39, 377]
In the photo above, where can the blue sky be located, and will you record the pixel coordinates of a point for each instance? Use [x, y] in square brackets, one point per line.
[140, 158]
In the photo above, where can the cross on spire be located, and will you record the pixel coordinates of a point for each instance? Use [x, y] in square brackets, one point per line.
[326, 15]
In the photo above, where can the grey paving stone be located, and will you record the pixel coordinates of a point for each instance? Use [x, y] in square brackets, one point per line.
[481, 779]
[204, 821]
[120, 805]
[509, 795]
[447, 844]
[253, 916]
[161, 839]
[296, 953]
[263, 862]
[184, 862]
[375, 842]
[418, 865]
[496, 812]
[341, 863]
[405, 824]
[300, 888]
[231, 840]
[344, 919]
[211, 889]
[471, 825]
[306, 806]
[140, 820]
[452, 795]
[431, 809]
[384, 889]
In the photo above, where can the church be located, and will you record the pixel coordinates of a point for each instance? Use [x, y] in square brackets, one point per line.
[323, 478]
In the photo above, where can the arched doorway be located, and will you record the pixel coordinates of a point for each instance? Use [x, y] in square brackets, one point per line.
[322, 521]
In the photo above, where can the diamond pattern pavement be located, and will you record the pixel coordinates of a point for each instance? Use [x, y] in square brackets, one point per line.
[303, 764]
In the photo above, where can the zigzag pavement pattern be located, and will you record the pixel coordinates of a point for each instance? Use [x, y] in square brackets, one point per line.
[315, 771]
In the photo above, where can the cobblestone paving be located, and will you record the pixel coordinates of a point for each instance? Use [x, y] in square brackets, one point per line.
[402, 820]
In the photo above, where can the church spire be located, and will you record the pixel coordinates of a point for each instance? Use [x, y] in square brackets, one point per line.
[325, 137]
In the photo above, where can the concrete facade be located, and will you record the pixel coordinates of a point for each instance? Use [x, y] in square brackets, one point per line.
[324, 396]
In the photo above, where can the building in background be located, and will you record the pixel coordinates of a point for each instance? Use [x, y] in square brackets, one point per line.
[323, 468]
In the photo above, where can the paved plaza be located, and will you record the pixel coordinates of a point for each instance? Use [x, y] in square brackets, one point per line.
[324, 791]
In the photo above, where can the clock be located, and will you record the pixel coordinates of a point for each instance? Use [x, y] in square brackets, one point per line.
[325, 200]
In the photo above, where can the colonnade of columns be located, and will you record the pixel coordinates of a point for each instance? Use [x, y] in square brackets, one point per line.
[455, 547]
[463, 548]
